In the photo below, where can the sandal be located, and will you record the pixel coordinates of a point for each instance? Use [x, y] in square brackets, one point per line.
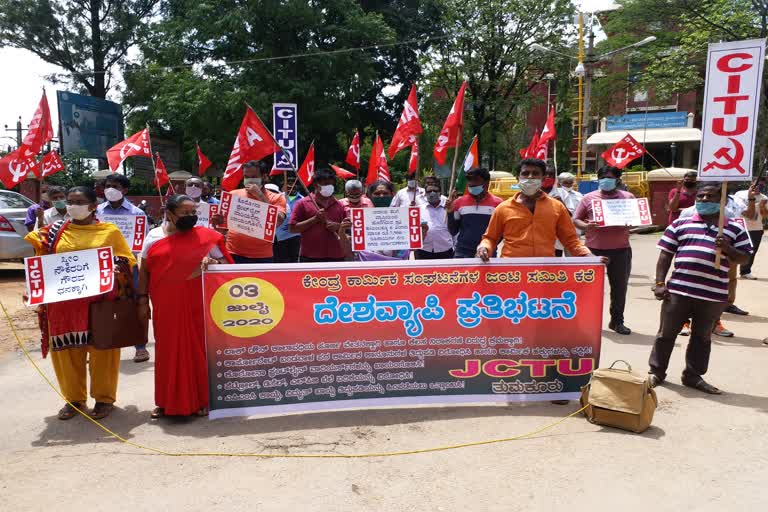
[203, 412]
[157, 412]
[68, 411]
[704, 386]
[101, 410]
[141, 356]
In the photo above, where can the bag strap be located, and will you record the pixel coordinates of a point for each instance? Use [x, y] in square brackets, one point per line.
[629, 366]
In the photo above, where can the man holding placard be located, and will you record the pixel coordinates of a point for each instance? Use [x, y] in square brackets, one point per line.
[245, 248]
[609, 241]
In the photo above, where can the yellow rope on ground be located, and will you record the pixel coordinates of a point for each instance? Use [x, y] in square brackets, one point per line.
[158, 451]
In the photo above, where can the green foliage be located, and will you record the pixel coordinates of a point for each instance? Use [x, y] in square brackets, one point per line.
[78, 170]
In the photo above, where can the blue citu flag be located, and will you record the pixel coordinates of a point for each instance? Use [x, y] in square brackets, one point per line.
[471, 161]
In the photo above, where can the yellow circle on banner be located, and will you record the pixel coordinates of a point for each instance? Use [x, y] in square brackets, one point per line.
[247, 307]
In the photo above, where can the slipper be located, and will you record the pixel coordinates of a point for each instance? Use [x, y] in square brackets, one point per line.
[158, 412]
[142, 355]
[101, 410]
[68, 412]
[202, 412]
[704, 386]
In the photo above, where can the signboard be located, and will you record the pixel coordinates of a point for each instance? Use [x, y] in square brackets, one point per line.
[741, 221]
[336, 335]
[621, 212]
[386, 229]
[649, 120]
[285, 128]
[133, 228]
[213, 211]
[249, 217]
[731, 101]
[203, 212]
[69, 275]
[88, 124]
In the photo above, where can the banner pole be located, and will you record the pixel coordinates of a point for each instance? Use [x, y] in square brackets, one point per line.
[154, 168]
[721, 220]
[659, 163]
[455, 159]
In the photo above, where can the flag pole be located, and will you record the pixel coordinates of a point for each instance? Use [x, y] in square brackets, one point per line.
[154, 168]
[721, 220]
[455, 159]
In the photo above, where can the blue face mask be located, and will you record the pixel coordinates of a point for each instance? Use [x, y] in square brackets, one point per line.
[607, 184]
[476, 190]
[707, 208]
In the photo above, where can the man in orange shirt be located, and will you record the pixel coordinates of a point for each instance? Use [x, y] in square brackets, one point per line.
[244, 248]
[530, 221]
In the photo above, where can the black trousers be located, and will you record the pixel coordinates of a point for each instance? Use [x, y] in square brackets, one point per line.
[426, 255]
[287, 251]
[675, 311]
[756, 237]
[618, 269]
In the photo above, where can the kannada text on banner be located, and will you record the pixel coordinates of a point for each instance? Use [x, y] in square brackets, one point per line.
[341, 335]
[133, 228]
[621, 212]
[69, 275]
[248, 216]
[386, 229]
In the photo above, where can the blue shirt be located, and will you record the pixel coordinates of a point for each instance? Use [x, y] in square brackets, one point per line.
[213, 200]
[126, 208]
[282, 232]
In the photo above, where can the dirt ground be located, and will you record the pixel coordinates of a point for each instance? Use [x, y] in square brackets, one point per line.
[703, 453]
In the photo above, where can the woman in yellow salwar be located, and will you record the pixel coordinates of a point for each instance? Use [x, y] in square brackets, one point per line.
[65, 325]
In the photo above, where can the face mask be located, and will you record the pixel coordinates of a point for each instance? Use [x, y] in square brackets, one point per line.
[381, 202]
[411, 184]
[568, 188]
[530, 187]
[113, 195]
[326, 190]
[707, 208]
[433, 197]
[689, 184]
[194, 192]
[476, 190]
[186, 223]
[354, 200]
[252, 181]
[607, 184]
[60, 205]
[548, 183]
[44, 197]
[79, 211]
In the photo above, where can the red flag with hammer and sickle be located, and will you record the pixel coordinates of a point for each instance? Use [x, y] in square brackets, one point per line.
[135, 145]
[623, 152]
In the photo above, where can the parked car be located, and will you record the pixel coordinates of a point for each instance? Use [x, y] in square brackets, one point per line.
[13, 211]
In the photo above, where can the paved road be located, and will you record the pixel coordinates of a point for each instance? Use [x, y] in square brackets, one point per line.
[703, 453]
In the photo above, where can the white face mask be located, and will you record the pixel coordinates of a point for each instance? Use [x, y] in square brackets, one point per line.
[113, 195]
[568, 188]
[194, 192]
[252, 181]
[530, 187]
[411, 184]
[326, 190]
[79, 211]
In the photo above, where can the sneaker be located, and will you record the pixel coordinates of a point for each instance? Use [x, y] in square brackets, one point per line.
[749, 276]
[686, 329]
[720, 330]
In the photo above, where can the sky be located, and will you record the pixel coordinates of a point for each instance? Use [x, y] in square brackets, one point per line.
[21, 87]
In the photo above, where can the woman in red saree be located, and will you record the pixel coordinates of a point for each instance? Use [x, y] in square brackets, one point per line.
[174, 256]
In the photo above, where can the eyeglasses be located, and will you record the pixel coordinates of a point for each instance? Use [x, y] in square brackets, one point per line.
[196, 185]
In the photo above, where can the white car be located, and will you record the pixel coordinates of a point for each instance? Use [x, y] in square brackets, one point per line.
[13, 212]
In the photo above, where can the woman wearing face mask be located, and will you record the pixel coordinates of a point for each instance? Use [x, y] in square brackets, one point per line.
[681, 197]
[172, 261]
[317, 218]
[65, 325]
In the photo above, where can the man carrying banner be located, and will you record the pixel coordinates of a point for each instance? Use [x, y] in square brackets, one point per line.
[468, 215]
[318, 218]
[244, 248]
[609, 241]
[115, 189]
[697, 289]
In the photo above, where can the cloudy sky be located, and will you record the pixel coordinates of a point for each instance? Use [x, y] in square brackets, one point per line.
[21, 86]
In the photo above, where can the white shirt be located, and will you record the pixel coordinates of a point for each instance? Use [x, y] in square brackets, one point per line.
[438, 237]
[571, 198]
[404, 197]
[741, 198]
[50, 216]
[158, 233]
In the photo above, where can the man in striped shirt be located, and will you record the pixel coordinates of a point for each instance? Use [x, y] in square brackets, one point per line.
[696, 289]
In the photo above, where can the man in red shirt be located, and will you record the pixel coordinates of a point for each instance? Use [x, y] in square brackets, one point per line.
[682, 196]
[244, 248]
[317, 218]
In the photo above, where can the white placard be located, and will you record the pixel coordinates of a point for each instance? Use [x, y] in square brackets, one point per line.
[621, 212]
[741, 221]
[386, 229]
[133, 228]
[69, 275]
[731, 101]
[249, 217]
[203, 212]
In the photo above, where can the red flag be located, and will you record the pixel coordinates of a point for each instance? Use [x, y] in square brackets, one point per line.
[202, 161]
[253, 142]
[307, 169]
[548, 133]
[353, 154]
[413, 163]
[530, 151]
[472, 160]
[40, 129]
[135, 145]
[377, 165]
[453, 125]
[342, 173]
[161, 173]
[409, 126]
[170, 191]
[51, 164]
[623, 152]
[14, 168]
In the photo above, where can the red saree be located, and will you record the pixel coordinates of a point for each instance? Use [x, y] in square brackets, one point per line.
[181, 372]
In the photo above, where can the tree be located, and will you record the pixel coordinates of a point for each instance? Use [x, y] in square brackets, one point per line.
[87, 38]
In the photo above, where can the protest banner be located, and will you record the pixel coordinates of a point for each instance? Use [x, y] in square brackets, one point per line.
[336, 335]
[248, 216]
[69, 275]
[621, 212]
[386, 229]
[731, 101]
[203, 212]
[285, 128]
[133, 228]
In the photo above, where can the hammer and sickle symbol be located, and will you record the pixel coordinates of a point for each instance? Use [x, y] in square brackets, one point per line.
[731, 162]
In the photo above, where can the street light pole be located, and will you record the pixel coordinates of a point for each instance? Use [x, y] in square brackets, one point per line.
[587, 98]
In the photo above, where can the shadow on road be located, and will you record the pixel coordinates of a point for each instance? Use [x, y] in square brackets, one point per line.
[79, 430]
[756, 402]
